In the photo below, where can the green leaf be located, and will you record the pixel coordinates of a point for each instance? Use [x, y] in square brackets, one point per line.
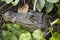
[14, 3]
[55, 36]
[8, 35]
[49, 7]
[12, 26]
[52, 1]
[58, 5]
[40, 5]
[5, 33]
[25, 36]
[8, 1]
[13, 37]
[18, 32]
[16, 26]
[52, 38]
[59, 10]
[38, 35]
[33, 2]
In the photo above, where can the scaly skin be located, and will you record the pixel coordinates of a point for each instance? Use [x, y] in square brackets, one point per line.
[30, 21]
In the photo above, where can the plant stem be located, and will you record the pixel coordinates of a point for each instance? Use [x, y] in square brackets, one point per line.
[45, 34]
[8, 8]
[2, 6]
[51, 27]
[34, 8]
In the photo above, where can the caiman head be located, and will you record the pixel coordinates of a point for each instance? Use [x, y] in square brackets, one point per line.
[30, 21]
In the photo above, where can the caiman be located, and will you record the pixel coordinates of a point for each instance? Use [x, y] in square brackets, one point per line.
[30, 20]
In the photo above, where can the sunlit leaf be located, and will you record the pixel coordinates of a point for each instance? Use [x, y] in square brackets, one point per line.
[38, 35]
[5, 33]
[12, 26]
[40, 5]
[13, 37]
[55, 36]
[8, 35]
[52, 38]
[25, 36]
[53, 1]
[18, 32]
[8, 1]
[15, 28]
[49, 7]
[14, 3]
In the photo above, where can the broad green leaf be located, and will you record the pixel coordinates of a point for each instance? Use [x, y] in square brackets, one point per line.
[16, 26]
[38, 35]
[52, 38]
[14, 3]
[55, 36]
[25, 36]
[40, 5]
[18, 32]
[8, 1]
[12, 26]
[49, 7]
[53, 1]
[8, 35]
[5, 33]
[13, 37]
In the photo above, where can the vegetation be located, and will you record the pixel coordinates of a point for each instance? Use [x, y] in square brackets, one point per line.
[14, 31]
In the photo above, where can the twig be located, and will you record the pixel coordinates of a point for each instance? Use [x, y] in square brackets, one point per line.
[2, 6]
[46, 34]
[34, 8]
[8, 8]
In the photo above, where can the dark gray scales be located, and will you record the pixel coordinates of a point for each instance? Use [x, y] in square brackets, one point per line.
[30, 21]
